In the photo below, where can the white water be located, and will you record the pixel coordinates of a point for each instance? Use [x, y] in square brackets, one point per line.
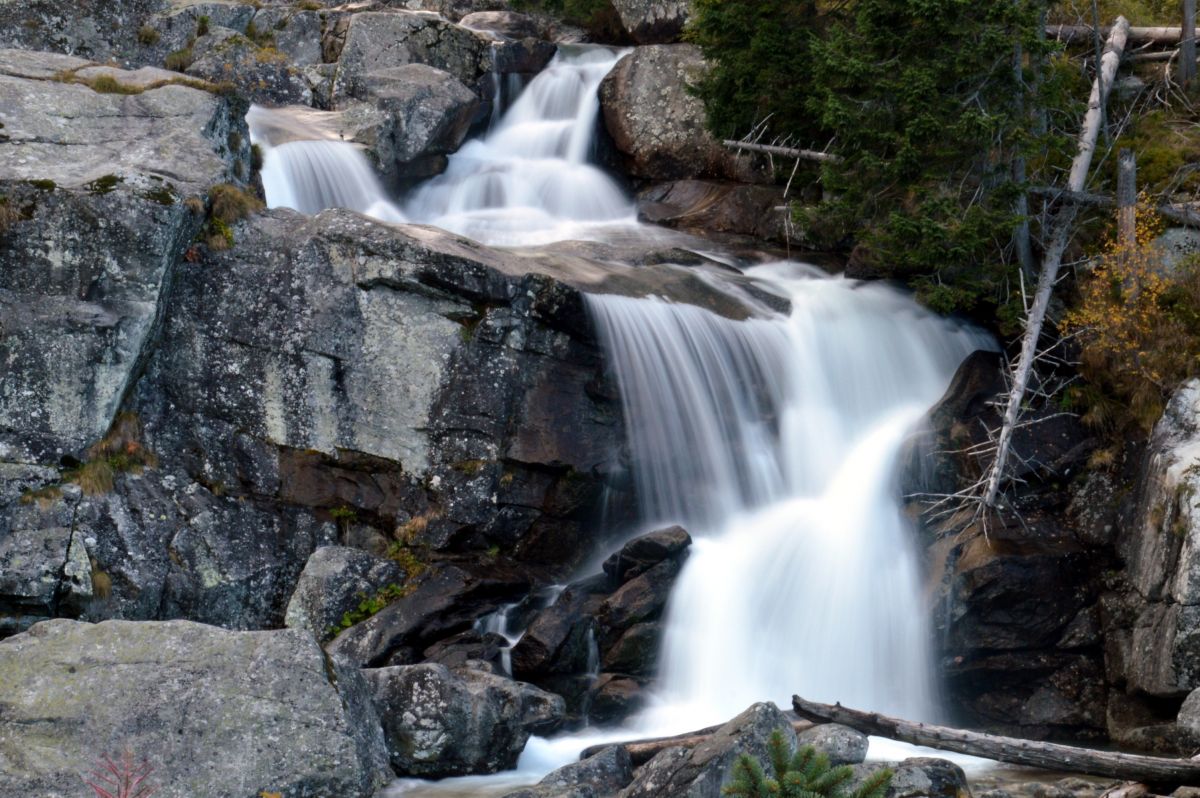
[528, 181]
[775, 442]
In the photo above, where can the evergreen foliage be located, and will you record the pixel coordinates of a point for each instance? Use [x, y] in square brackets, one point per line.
[805, 774]
[927, 104]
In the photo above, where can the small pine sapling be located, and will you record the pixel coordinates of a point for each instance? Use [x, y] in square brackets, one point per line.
[124, 778]
[805, 774]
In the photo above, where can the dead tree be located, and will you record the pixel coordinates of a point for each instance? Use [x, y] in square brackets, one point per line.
[1050, 756]
[1052, 257]
[1187, 44]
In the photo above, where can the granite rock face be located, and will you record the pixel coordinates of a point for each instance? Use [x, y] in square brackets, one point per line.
[216, 713]
[653, 21]
[443, 723]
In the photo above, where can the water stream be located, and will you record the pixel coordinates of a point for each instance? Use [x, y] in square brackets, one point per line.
[773, 440]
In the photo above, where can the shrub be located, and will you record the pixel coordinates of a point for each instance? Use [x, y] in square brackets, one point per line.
[9, 215]
[148, 36]
[123, 778]
[202, 24]
[805, 774]
[231, 204]
[369, 605]
[179, 60]
[107, 84]
[1139, 331]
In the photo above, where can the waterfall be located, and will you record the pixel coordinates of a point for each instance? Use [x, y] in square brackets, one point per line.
[775, 441]
[528, 180]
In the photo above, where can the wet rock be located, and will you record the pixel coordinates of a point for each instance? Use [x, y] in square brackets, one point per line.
[614, 698]
[710, 206]
[557, 639]
[334, 581]
[638, 601]
[261, 73]
[644, 552]
[443, 723]
[843, 745]
[705, 769]
[635, 652]
[380, 40]
[469, 647]
[74, 690]
[653, 21]
[658, 126]
[445, 601]
[602, 774]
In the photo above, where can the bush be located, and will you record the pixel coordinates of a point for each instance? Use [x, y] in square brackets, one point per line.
[179, 60]
[148, 36]
[805, 774]
[1139, 331]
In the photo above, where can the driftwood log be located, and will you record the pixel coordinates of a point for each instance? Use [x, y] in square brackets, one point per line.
[642, 751]
[1049, 756]
[784, 152]
[1072, 33]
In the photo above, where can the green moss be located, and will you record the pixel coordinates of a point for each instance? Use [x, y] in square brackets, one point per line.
[104, 184]
[179, 60]
[202, 26]
[369, 605]
[163, 195]
[43, 185]
[107, 84]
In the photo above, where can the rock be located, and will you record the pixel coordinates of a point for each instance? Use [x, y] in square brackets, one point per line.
[263, 74]
[508, 24]
[380, 40]
[75, 308]
[1175, 245]
[181, 26]
[1189, 714]
[334, 581]
[658, 126]
[715, 207]
[653, 21]
[642, 553]
[38, 546]
[446, 600]
[603, 774]
[265, 711]
[414, 116]
[93, 29]
[614, 698]
[635, 652]
[556, 641]
[442, 723]
[1159, 635]
[704, 770]
[843, 745]
[295, 32]
[640, 600]
[919, 777]
[470, 648]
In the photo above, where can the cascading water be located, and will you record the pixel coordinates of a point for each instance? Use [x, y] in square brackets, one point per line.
[775, 441]
[529, 180]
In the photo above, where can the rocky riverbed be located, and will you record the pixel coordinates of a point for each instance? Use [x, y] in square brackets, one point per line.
[277, 491]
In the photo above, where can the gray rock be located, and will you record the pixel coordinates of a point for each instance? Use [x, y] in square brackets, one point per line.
[261, 73]
[77, 308]
[178, 27]
[613, 698]
[704, 770]
[721, 207]
[414, 116]
[380, 40]
[601, 775]
[653, 21]
[334, 580]
[442, 723]
[93, 29]
[1157, 639]
[843, 745]
[509, 24]
[216, 713]
[1174, 245]
[658, 126]
[295, 32]
[918, 777]
[1189, 714]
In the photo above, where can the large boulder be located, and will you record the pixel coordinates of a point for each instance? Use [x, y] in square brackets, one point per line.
[653, 21]
[658, 125]
[440, 722]
[600, 775]
[335, 580]
[95, 29]
[261, 73]
[379, 40]
[717, 207]
[919, 777]
[703, 771]
[216, 713]
[98, 180]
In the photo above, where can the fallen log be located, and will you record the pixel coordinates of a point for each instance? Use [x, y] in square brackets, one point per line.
[642, 751]
[784, 152]
[1180, 214]
[1072, 33]
[1048, 756]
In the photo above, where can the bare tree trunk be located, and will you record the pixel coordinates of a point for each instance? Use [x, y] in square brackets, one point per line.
[642, 751]
[1051, 756]
[1074, 33]
[1187, 44]
[1052, 258]
[1024, 241]
[786, 152]
[1126, 200]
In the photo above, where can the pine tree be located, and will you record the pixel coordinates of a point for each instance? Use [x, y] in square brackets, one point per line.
[805, 774]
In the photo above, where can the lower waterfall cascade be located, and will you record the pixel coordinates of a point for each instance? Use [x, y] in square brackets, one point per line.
[774, 440]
